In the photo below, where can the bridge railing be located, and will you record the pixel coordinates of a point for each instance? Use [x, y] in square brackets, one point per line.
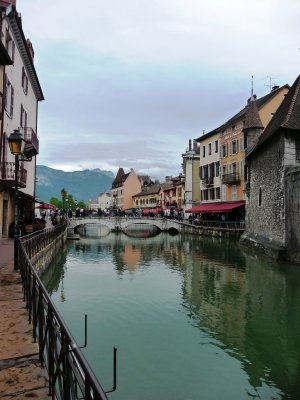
[70, 376]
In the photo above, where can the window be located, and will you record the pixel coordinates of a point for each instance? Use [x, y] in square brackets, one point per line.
[259, 197]
[205, 194]
[297, 148]
[212, 194]
[23, 119]
[241, 144]
[242, 168]
[224, 169]
[212, 170]
[225, 150]
[24, 81]
[209, 149]
[216, 146]
[233, 192]
[245, 141]
[234, 147]
[217, 168]
[10, 45]
[218, 193]
[203, 151]
[9, 97]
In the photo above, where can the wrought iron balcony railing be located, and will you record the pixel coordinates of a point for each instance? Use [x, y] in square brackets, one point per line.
[231, 178]
[31, 142]
[7, 174]
[208, 181]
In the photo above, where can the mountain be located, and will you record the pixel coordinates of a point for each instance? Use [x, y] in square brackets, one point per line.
[83, 185]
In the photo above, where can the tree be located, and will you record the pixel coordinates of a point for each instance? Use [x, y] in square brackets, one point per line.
[56, 202]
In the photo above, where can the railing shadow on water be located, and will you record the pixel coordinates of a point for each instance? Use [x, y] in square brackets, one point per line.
[70, 376]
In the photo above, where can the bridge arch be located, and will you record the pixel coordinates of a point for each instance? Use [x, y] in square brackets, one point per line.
[122, 223]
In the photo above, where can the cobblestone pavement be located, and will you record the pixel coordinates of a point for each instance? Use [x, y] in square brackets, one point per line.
[21, 376]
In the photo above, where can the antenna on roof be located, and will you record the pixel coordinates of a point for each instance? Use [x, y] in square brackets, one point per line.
[251, 86]
[271, 82]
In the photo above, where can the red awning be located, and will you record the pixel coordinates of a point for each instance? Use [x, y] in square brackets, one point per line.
[145, 211]
[46, 206]
[215, 207]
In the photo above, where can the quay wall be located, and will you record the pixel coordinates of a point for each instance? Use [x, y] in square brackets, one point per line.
[42, 259]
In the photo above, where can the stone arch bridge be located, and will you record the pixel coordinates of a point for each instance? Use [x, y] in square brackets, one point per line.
[122, 223]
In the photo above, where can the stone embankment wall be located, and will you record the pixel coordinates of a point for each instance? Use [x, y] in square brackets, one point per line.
[211, 231]
[43, 258]
[292, 195]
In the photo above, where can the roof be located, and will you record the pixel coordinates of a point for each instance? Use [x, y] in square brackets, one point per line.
[152, 189]
[119, 176]
[287, 116]
[241, 114]
[215, 207]
[252, 118]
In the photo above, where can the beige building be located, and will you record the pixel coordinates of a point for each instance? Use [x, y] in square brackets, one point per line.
[19, 112]
[124, 187]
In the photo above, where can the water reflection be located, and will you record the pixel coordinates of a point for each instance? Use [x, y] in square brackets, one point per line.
[248, 305]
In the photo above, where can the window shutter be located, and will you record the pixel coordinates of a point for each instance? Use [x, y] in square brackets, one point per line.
[13, 46]
[25, 119]
[21, 116]
[11, 100]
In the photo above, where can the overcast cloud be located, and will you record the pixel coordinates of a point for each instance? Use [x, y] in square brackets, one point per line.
[128, 82]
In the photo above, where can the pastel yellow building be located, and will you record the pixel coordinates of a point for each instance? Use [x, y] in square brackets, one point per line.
[233, 143]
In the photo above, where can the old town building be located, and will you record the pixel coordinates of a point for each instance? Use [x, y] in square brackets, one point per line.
[190, 167]
[272, 218]
[21, 94]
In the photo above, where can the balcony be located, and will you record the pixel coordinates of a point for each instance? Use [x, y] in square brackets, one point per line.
[208, 181]
[31, 142]
[7, 175]
[231, 179]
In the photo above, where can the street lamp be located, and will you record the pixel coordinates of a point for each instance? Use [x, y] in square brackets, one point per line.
[16, 146]
[63, 195]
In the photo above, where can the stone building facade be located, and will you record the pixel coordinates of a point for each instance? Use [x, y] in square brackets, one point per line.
[273, 204]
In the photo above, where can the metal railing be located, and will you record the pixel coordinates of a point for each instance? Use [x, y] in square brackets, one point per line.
[231, 178]
[7, 173]
[31, 139]
[231, 225]
[70, 376]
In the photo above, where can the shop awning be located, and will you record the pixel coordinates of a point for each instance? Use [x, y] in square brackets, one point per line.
[215, 207]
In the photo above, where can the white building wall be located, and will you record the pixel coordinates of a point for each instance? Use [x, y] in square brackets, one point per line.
[29, 103]
[208, 159]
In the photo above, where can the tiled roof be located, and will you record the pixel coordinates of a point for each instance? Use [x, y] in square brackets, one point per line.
[252, 118]
[119, 176]
[167, 186]
[241, 114]
[153, 189]
[287, 116]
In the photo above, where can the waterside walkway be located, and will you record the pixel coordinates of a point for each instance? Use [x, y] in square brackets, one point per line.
[21, 375]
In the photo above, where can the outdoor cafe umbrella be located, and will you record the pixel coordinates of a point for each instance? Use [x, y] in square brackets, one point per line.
[46, 206]
[146, 211]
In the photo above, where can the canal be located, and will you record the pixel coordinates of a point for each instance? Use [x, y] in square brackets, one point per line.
[193, 318]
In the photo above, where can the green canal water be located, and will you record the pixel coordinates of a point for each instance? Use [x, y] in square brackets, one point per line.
[193, 318]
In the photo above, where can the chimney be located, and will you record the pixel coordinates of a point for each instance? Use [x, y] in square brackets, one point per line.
[274, 88]
[190, 144]
[30, 48]
[195, 146]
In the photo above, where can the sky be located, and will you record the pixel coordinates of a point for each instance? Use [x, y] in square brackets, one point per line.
[127, 83]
